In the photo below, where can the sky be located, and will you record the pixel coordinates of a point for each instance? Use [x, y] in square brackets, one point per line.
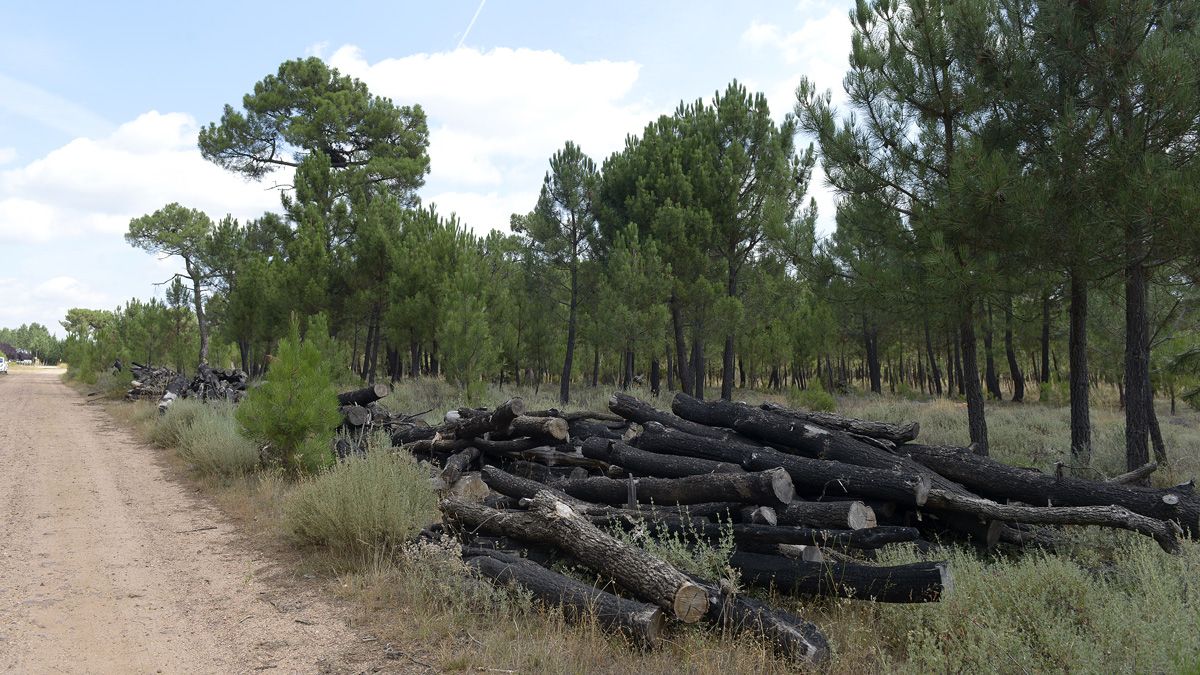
[100, 104]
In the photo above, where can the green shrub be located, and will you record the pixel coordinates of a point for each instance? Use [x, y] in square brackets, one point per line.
[295, 411]
[686, 549]
[172, 426]
[362, 505]
[214, 444]
[814, 398]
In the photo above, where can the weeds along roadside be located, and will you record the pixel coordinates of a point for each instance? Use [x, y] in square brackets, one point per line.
[1111, 602]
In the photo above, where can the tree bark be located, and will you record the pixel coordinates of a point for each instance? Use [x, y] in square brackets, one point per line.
[564, 387]
[554, 521]
[364, 396]
[848, 515]
[1138, 394]
[1001, 482]
[643, 463]
[681, 355]
[197, 278]
[1014, 368]
[1045, 374]
[640, 621]
[871, 348]
[771, 487]
[989, 375]
[976, 421]
[1081, 424]
[896, 433]
[641, 412]
[916, 582]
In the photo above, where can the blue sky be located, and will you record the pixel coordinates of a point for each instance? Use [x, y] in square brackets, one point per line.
[100, 104]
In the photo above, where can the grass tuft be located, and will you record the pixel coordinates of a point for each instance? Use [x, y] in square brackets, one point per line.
[362, 505]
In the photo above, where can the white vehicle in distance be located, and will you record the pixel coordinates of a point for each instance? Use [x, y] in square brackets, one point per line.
[3, 365]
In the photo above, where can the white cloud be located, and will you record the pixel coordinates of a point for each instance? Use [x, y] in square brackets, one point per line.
[7, 155]
[819, 48]
[496, 117]
[23, 301]
[98, 185]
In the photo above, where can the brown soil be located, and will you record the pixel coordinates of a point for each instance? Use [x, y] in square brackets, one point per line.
[109, 564]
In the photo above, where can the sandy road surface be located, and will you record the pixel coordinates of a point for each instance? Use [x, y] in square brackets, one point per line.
[105, 565]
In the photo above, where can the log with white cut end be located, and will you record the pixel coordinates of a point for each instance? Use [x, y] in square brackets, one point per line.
[641, 412]
[472, 423]
[580, 601]
[365, 395]
[1000, 482]
[916, 582]
[1166, 533]
[849, 515]
[355, 415]
[552, 429]
[552, 520]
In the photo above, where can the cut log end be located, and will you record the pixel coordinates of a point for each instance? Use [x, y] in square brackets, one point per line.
[921, 491]
[782, 486]
[947, 577]
[860, 516]
[651, 620]
[691, 603]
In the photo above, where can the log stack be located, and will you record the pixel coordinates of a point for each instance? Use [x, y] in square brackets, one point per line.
[806, 499]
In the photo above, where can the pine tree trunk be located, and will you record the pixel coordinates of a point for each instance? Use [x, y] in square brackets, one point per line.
[1137, 358]
[975, 415]
[1156, 439]
[949, 369]
[414, 351]
[1014, 368]
[670, 370]
[871, 349]
[1045, 337]
[698, 362]
[989, 373]
[198, 304]
[681, 354]
[1081, 425]
[655, 377]
[564, 387]
[727, 373]
[958, 366]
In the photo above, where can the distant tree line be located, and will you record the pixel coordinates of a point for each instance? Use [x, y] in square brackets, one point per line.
[1016, 204]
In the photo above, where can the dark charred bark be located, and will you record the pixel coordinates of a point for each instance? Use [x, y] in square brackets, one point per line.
[990, 378]
[976, 422]
[1081, 424]
[642, 463]
[681, 354]
[917, 582]
[1014, 368]
[1045, 374]
[365, 395]
[1138, 394]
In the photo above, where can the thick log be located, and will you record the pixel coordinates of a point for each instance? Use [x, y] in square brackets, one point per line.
[771, 487]
[789, 634]
[471, 423]
[563, 455]
[1001, 482]
[552, 520]
[518, 487]
[411, 433]
[760, 536]
[661, 439]
[1135, 476]
[365, 395]
[506, 449]
[820, 478]
[458, 463]
[897, 434]
[811, 476]
[1166, 533]
[838, 515]
[554, 429]
[581, 430]
[579, 601]
[642, 463]
[641, 412]
[355, 415]
[577, 415]
[917, 582]
[804, 438]
[979, 530]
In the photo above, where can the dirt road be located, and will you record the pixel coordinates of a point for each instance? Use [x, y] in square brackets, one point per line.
[108, 565]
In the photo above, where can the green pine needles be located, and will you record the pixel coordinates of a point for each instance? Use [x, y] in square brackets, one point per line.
[296, 409]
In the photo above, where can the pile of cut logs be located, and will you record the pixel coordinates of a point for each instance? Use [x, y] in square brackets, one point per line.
[806, 497]
[164, 384]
